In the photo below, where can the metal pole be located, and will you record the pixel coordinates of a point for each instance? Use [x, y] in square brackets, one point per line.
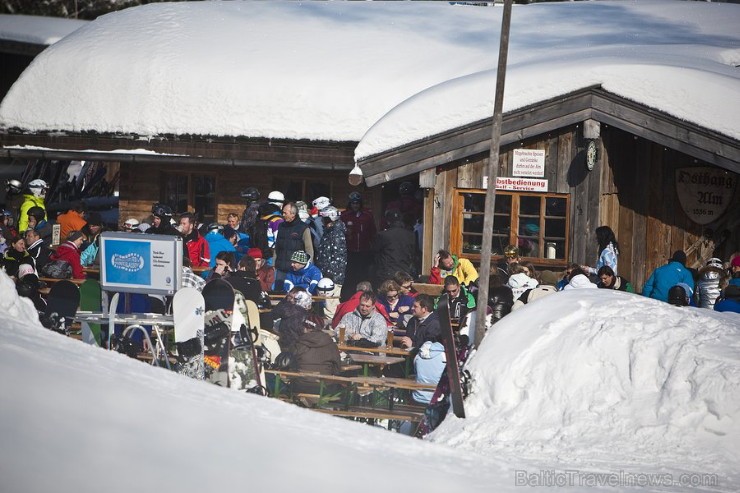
[485, 254]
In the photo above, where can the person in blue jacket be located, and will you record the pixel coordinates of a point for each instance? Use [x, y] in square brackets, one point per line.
[303, 273]
[217, 242]
[729, 301]
[664, 278]
[429, 364]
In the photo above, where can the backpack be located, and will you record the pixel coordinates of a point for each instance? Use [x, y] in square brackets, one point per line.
[57, 269]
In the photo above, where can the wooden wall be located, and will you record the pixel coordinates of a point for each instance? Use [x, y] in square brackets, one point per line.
[631, 189]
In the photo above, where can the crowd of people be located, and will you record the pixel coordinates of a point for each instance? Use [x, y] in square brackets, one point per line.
[341, 275]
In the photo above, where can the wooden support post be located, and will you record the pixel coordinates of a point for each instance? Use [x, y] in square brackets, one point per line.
[485, 260]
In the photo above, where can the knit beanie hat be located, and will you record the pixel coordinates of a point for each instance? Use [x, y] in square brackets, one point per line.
[255, 253]
[300, 257]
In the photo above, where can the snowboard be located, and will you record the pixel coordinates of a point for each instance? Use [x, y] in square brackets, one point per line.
[449, 390]
[188, 310]
[61, 306]
[91, 301]
[219, 304]
[244, 368]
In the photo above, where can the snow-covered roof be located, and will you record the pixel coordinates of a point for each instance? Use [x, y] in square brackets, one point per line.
[36, 29]
[330, 70]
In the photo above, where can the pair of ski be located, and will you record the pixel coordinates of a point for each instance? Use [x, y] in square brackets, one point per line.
[214, 337]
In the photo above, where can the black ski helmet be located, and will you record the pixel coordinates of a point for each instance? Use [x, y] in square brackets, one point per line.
[251, 194]
[162, 211]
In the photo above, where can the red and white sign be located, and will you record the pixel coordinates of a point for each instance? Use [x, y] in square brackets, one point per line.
[528, 162]
[521, 184]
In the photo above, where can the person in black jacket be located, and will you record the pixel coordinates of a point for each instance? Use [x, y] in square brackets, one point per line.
[394, 249]
[244, 279]
[315, 351]
[292, 235]
[36, 248]
[424, 326]
[500, 298]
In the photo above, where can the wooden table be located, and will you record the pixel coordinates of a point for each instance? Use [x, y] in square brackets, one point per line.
[366, 360]
[395, 351]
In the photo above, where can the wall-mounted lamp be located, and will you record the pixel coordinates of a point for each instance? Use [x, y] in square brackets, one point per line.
[355, 176]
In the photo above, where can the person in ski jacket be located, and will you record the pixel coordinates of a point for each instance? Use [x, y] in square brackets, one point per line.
[16, 255]
[194, 245]
[37, 220]
[36, 248]
[244, 279]
[500, 297]
[461, 301]
[352, 304]
[364, 326]
[578, 280]
[69, 251]
[217, 243]
[303, 273]
[445, 264]
[398, 306]
[161, 221]
[394, 249]
[293, 235]
[665, 277]
[72, 220]
[361, 233]
[34, 197]
[429, 364]
[315, 352]
[729, 301]
[331, 257]
[712, 277]
[266, 226]
[519, 281]
[424, 326]
[265, 273]
[608, 251]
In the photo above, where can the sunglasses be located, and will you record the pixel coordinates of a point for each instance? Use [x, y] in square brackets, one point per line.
[392, 296]
[407, 286]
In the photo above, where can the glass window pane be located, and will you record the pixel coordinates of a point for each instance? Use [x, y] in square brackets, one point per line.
[555, 249]
[474, 202]
[176, 192]
[554, 228]
[529, 205]
[503, 204]
[555, 206]
[472, 243]
[473, 223]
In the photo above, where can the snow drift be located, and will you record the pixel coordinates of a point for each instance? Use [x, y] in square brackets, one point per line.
[583, 376]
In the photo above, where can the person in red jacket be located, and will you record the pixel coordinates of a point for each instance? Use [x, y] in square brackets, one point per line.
[69, 251]
[360, 234]
[195, 246]
[352, 303]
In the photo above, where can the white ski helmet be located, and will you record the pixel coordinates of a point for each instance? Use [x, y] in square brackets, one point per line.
[38, 187]
[276, 197]
[131, 223]
[321, 202]
[330, 212]
[325, 285]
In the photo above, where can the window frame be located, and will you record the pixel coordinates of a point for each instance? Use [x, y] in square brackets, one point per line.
[457, 224]
[190, 175]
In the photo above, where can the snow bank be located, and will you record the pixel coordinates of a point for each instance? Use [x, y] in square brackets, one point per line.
[78, 418]
[37, 29]
[583, 377]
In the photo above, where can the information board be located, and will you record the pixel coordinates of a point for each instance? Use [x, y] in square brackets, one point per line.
[140, 263]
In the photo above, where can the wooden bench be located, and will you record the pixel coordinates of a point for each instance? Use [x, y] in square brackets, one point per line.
[352, 387]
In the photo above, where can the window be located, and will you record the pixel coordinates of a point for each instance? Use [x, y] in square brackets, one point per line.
[536, 223]
[302, 189]
[190, 191]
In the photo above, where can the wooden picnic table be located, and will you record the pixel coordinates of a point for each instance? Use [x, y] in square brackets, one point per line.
[387, 350]
[367, 360]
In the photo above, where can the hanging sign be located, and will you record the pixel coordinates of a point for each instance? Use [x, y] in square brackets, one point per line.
[521, 184]
[705, 193]
[529, 162]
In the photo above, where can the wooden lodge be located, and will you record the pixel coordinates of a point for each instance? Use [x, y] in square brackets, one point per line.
[660, 183]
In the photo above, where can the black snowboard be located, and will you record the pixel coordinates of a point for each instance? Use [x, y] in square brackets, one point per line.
[219, 301]
[453, 363]
[61, 308]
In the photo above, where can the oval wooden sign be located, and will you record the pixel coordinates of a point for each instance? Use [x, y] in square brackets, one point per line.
[705, 193]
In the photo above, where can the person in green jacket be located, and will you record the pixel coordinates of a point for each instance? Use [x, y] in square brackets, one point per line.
[34, 198]
[609, 280]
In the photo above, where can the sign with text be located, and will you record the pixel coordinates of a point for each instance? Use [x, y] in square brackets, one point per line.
[705, 193]
[140, 263]
[528, 162]
[521, 184]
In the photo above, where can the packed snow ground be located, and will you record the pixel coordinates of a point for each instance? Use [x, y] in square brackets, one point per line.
[614, 384]
[330, 70]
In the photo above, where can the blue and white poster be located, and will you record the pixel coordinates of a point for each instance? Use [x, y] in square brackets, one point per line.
[139, 263]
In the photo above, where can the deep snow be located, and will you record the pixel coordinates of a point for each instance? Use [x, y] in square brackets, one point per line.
[590, 382]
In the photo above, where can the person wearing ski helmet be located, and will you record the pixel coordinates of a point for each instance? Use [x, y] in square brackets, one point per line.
[361, 231]
[315, 221]
[277, 198]
[251, 198]
[37, 221]
[331, 257]
[162, 221]
[406, 204]
[35, 197]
